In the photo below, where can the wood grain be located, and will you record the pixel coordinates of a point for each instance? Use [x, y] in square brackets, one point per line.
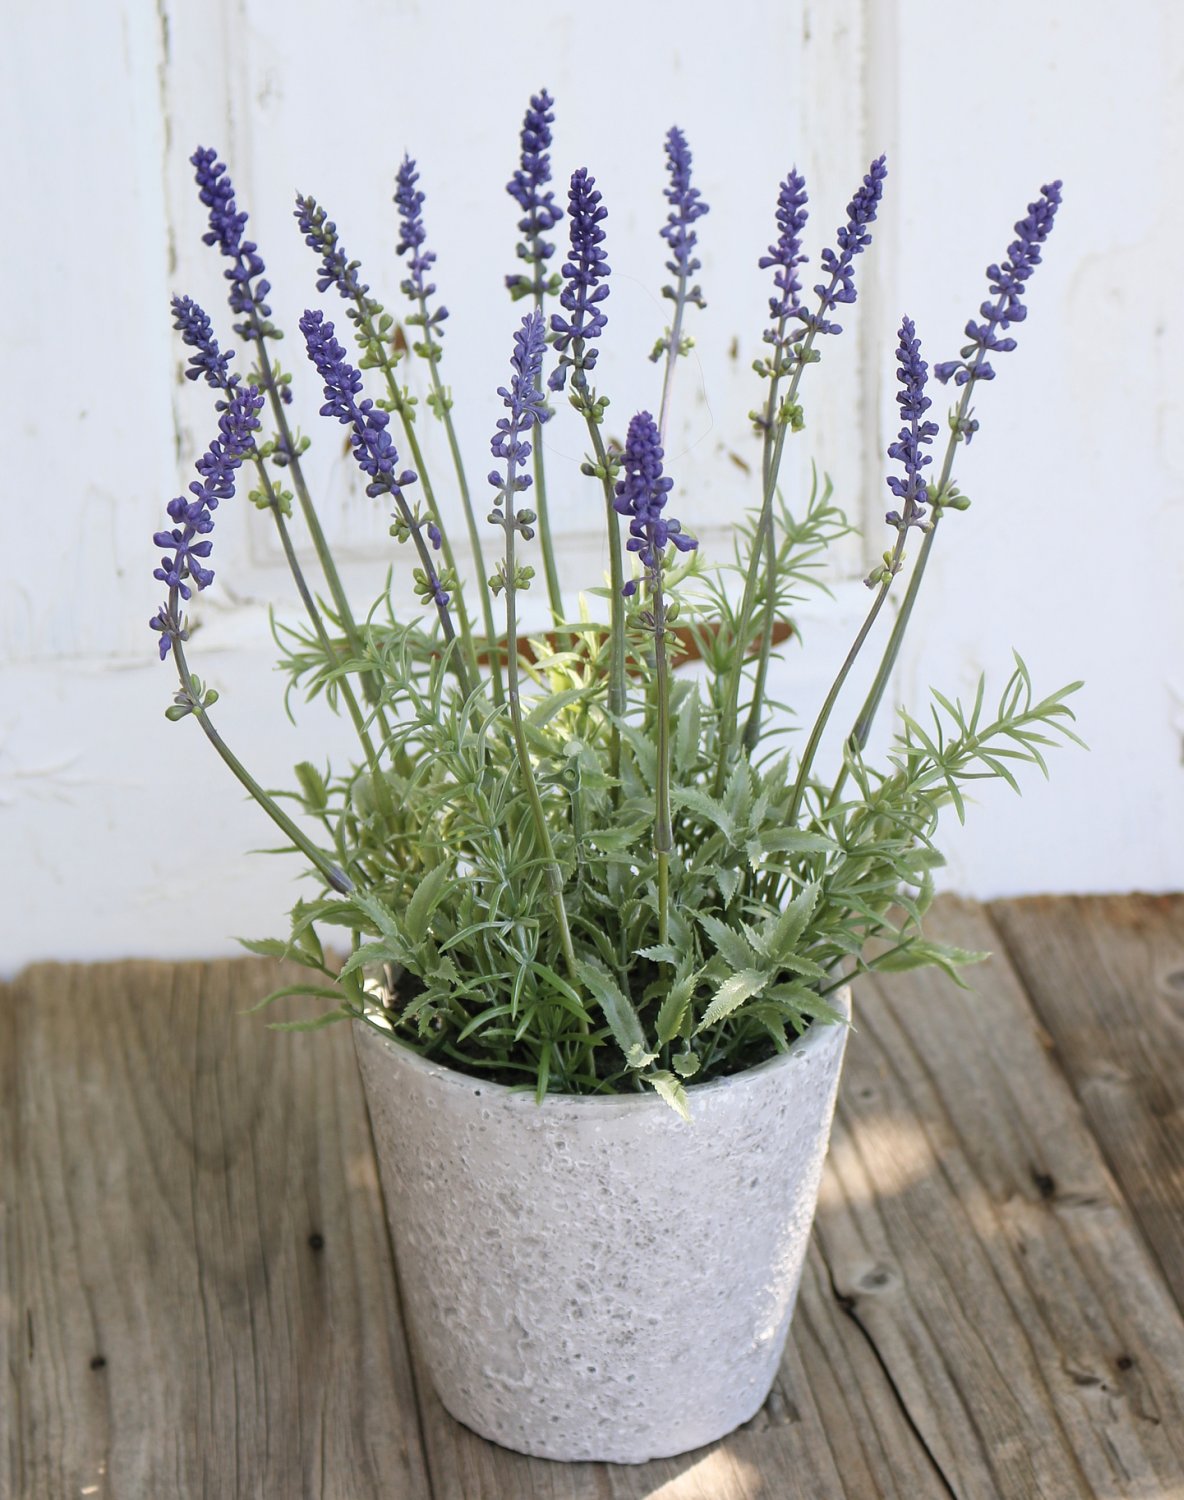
[970, 1220]
[198, 1290]
[197, 1295]
[1106, 978]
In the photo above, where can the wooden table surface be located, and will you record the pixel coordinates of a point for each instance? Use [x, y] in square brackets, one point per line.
[198, 1298]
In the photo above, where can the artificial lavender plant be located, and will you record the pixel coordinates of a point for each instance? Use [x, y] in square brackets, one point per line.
[559, 861]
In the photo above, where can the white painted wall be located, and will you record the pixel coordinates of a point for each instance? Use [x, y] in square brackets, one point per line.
[123, 835]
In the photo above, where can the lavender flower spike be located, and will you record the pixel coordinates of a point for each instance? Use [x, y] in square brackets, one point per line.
[372, 444]
[189, 539]
[208, 362]
[412, 235]
[786, 255]
[913, 403]
[540, 212]
[227, 224]
[320, 234]
[686, 205]
[1006, 283]
[641, 495]
[853, 239]
[525, 402]
[583, 275]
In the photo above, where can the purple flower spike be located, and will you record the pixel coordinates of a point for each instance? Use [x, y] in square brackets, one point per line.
[641, 495]
[216, 191]
[320, 234]
[853, 238]
[913, 403]
[583, 275]
[207, 362]
[786, 254]
[372, 444]
[540, 212]
[409, 201]
[686, 205]
[1006, 283]
[189, 538]
[523, 398]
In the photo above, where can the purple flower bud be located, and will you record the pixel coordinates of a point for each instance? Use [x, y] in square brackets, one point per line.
[913, 403]
[540, 212]
[524, 400]
[583, 274]
[641, 495]
[1005, 283]
[320, 234]
[686, 206]
[409, 201]
[216, 191]
[217, 466]
[853, 239]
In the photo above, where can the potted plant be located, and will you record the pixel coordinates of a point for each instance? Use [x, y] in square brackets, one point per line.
[601, 932]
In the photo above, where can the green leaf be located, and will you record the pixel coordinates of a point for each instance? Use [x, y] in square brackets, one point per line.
[686, 1064]
[277, 948]
[660, 953]
[674, 1008]
[706, 808]
[734, 991]
[428, 895]
[318, 992]
[312, 784]
[920, 953]
[316, 1024]
[618, 1009]
[371, 953]
[730, 944]
[780, 934]
[667, 1086]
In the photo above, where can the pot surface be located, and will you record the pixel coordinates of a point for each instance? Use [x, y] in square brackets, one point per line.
[593, 1278]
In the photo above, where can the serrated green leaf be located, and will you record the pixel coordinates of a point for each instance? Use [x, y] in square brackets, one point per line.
[277, 948]
[428, 894]
[732, 946]
[780, 934]
[685, 1064]
[728, 882]
[660, 953]
[667, 1086]
[706, 808]
[618, 1010]
[674, 1008]
[312, 784]
[732, 994]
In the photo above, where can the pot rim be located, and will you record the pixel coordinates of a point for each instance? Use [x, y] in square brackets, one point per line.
[810, 1040]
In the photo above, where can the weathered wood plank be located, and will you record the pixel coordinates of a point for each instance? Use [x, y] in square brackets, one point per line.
[1106, 977]
[968, 1217]
[199, 1290]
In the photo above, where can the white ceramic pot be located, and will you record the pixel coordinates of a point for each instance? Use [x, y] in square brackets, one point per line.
[593, 1278]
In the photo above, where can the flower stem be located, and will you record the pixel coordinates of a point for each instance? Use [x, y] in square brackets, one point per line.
[312, 520]
[444, 408]
[538, 812]
[663, 834]
[617, 701]
[672, 350]
[334, 876]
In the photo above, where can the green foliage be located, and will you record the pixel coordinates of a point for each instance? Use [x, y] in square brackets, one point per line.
[453, 942]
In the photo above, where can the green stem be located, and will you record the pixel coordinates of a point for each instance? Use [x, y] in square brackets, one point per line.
[538, 812]
[444, 409]
[381, 789]
[312, 521]
[672, 349]
[617, 692]
[663, 834]
[862, 727]
[827, 708]
[415, 531]
[336, 878]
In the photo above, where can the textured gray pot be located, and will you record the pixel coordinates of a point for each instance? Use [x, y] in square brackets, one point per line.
[593, 1278]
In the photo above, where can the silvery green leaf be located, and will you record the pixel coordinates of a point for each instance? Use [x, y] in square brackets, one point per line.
[733, 947]
[667, 1086]
[618, 1010]
[316, 1024]
[734, 991]
[673, 1009]
[428, 895]
[686, 1064]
